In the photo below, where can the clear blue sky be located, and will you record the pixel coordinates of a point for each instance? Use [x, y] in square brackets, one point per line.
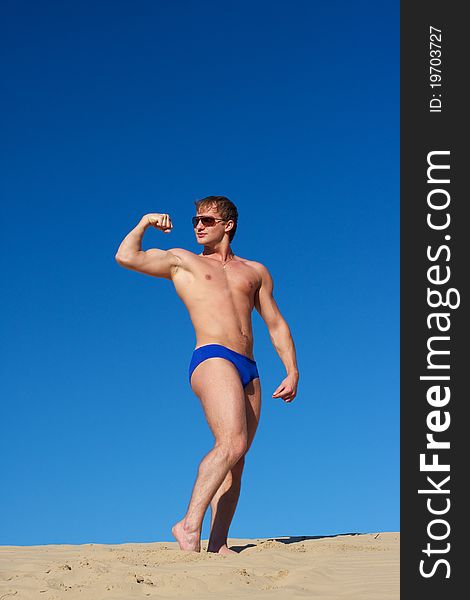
[115, 109]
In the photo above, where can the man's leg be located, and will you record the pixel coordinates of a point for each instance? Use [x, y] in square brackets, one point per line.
[217, 384]
[225, 501]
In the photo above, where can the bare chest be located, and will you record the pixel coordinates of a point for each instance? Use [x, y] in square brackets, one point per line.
[209, 277]
[234, 276]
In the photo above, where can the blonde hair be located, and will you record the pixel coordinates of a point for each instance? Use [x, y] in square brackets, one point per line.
[225, 207]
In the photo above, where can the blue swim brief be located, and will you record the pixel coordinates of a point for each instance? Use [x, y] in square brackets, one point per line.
[246, 367]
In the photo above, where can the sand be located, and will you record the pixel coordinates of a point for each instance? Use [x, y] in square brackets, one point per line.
[362, 567]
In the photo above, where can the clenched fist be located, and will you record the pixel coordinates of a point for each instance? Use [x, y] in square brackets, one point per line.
[160, 221]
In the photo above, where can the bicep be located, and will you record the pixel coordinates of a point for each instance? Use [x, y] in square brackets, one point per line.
[155, 262]
[264, 300]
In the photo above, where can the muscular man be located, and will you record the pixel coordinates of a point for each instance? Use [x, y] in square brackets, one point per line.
[219, 289]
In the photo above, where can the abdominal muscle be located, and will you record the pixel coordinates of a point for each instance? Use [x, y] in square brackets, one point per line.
[217, 325]
[220, 311]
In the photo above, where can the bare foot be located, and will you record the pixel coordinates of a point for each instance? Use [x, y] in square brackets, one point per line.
[223, 550]
[226, 550]
[187, 540]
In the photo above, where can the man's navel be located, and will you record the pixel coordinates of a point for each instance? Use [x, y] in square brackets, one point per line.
[207, 276]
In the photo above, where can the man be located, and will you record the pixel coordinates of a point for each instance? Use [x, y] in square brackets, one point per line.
[219, 289]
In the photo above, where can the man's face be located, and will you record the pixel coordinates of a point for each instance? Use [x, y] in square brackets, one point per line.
[209, 234]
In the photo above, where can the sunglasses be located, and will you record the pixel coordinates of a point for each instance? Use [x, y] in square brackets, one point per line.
[206, 221]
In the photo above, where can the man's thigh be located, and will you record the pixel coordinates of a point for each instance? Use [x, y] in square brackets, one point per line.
[253, 408]
[217, 384]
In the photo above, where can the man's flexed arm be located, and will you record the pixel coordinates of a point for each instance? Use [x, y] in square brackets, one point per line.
[280, 334]
[159, 263]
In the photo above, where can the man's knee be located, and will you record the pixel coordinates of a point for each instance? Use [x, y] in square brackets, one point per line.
[234, 449]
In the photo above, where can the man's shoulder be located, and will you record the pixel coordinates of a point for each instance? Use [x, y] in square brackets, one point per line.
[182, 253]
[184, 258]
[261, 270]
[255, 265]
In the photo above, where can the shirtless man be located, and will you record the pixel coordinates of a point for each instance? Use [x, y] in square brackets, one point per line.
[219, 289]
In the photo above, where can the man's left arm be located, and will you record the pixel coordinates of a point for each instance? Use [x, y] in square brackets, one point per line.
[280, 334]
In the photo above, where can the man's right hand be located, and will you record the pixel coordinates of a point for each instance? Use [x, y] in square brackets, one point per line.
[160, 221]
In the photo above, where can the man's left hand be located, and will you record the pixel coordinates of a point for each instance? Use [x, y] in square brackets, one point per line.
[287, 390]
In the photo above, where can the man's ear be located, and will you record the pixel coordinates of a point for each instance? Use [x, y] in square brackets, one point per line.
[231, 223]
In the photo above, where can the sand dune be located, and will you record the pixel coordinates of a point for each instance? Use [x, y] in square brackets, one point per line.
[345, 566]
